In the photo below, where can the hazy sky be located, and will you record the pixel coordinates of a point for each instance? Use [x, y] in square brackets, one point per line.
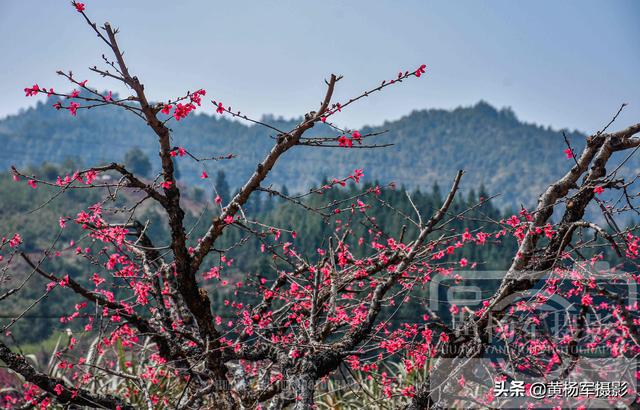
[560, 63]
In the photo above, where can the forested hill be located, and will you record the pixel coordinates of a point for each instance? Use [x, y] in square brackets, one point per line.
[495, 148]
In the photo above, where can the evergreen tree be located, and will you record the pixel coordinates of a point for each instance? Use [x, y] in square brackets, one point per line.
[176, 171]
[137, 162]
[222, 187]
[284, 191]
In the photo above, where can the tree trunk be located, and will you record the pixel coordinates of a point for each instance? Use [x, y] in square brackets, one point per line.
[304, 388]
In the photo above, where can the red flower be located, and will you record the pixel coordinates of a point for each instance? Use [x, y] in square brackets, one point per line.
[598, 190]
[345, 142]
[204, 175]
[166, 109]
[228, 219]
[196, 97]
[357, 136]
[79, 7]
[178, 152]
[108, 97]
[73, 108]
[167, 184]
[32, 183]
[218, 200]
[182, 110]
[357, 174]
[220, 108]
[421, 70]
[568, 153]
[15, 241]
[58, 389]
[30, 92]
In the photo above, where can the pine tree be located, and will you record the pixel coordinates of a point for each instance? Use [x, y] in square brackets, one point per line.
[137, 162]
[222, 187]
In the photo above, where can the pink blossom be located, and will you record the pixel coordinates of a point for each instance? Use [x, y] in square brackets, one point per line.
[73, 108]
[30, 92]
[196, 97]
[15, 241]
[357, 174]
[58, 389]
[90, 176]
[345, 142]
[183, 110]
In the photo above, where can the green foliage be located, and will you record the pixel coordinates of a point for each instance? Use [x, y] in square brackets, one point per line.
[34, 214]
[40, 228]
[222, 186]
[138, 162]
[493, 146]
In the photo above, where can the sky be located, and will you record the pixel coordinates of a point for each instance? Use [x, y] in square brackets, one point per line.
[567, 64]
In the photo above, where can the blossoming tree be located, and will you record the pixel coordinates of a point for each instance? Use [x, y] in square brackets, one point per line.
[324, 312]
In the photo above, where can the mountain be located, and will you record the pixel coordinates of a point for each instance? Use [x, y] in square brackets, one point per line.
[507, 156]
[495, 148]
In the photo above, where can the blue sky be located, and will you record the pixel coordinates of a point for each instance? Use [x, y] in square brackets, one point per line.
[566, 64]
